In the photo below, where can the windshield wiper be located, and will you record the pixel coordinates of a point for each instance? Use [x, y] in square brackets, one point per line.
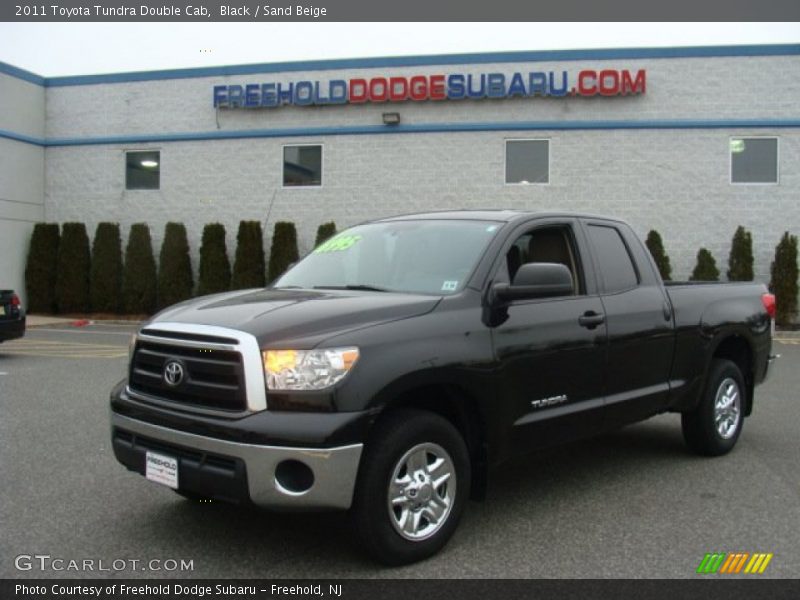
[363, 288]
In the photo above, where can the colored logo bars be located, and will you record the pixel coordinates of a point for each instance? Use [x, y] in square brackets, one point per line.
[734, 563]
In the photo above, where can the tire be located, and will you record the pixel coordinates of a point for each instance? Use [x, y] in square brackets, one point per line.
[713, 427]
[409, 451]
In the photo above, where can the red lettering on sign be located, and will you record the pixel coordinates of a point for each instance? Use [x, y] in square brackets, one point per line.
[358, 90]
[419, 88]
[587, 83]
[378, 90]
[398, 89]
[437, 87]
[609, 83]
[638, 85]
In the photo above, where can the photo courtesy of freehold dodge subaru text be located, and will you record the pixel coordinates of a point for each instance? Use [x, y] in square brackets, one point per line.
[393, 367]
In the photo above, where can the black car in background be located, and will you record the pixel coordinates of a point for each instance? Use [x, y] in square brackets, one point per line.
[12, 317]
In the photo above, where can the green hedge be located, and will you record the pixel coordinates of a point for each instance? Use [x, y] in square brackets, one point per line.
[783, 283]
[105, 276]
[284, 249]
[40, 269]
[72, 277]
[706, 267]
[139, 274]
[740, 259]
[175, 282]
[215, 268]
[248, 265]
[325, 232]
[656, 247]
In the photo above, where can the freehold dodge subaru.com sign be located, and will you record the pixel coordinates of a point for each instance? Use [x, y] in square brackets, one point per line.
[419, 88]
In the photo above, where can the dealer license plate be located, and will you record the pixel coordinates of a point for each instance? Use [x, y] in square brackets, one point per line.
[162, 469]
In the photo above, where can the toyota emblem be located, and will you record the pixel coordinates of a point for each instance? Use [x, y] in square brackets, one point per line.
[173, 373]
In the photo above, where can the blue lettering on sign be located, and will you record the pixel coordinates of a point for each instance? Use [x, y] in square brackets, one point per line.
[338, 91]
[455, 87]
[251, 98]
[268, 95]
[558, 91]
[538, 84]
[285, 95]
[517, 87]
[234, 95]
[496, 85]
[476, 93]
[302, 93]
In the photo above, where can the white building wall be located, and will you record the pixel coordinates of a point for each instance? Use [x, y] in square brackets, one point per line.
[21, 176]
[675, 181]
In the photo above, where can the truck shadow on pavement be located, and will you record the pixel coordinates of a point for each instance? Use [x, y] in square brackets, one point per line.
[248, 542]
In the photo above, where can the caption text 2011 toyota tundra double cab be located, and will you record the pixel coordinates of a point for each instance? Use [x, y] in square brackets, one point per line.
[392, 367]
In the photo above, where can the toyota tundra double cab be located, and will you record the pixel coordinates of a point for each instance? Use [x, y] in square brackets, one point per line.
[391, 368]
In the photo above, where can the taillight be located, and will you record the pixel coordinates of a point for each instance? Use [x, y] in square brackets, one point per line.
[15, 300]
[768, 300]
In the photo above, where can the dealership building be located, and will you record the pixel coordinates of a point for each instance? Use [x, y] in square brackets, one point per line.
[691, 142]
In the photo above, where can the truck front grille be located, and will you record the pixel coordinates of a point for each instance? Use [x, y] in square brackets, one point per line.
[209, 378]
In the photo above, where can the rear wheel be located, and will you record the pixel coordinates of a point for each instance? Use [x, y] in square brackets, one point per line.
[412, 488]
[714, 426]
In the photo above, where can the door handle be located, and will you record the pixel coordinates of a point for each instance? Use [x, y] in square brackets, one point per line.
[591, 319]
[667, 310]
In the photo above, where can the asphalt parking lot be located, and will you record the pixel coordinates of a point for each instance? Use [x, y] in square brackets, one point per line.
[631, 504]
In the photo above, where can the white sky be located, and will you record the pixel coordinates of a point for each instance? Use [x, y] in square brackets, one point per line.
[53, 49]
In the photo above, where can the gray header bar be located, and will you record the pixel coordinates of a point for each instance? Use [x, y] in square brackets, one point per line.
[205, 11]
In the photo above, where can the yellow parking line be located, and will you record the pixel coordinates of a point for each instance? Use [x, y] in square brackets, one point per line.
[792, 341]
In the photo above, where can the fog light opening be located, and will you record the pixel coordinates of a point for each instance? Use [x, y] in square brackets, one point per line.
[293, 477]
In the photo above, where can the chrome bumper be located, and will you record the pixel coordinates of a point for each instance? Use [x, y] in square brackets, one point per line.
[334, 469]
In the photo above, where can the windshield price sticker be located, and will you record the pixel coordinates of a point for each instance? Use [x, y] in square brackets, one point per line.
[338, 244]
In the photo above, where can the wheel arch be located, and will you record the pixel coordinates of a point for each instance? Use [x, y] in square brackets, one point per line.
[738, 349]
[455, 404]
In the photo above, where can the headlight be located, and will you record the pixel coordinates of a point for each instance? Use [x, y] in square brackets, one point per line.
[307, 369]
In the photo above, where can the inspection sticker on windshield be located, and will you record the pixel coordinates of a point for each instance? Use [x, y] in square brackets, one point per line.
[449, 286]
[337, 244]
[162, 469]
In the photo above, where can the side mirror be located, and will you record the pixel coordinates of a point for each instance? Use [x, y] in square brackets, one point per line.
[537, 280]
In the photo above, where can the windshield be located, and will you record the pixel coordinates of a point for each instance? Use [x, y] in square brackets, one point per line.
[429, 257]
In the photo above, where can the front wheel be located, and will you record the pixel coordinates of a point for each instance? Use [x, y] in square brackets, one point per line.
[412, 487]
[714, 426]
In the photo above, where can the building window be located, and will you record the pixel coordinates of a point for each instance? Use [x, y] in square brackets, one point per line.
[754, 160]
[143, 170]
[527, 161]
[302, 166]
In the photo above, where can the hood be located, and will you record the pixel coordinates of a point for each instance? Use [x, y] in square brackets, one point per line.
[278, 316]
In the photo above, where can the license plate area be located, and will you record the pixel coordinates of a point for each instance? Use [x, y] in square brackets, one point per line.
[162, 469]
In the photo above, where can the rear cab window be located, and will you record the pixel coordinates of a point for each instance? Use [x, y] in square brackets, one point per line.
[613, 259]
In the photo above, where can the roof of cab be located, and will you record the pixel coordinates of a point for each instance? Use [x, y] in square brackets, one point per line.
[488, 214]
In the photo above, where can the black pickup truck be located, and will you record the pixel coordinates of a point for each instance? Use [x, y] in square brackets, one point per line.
[392, 367]
[12, 316]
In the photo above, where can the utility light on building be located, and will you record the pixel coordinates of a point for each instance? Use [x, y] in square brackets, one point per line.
[391, 118]
[149, 164]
